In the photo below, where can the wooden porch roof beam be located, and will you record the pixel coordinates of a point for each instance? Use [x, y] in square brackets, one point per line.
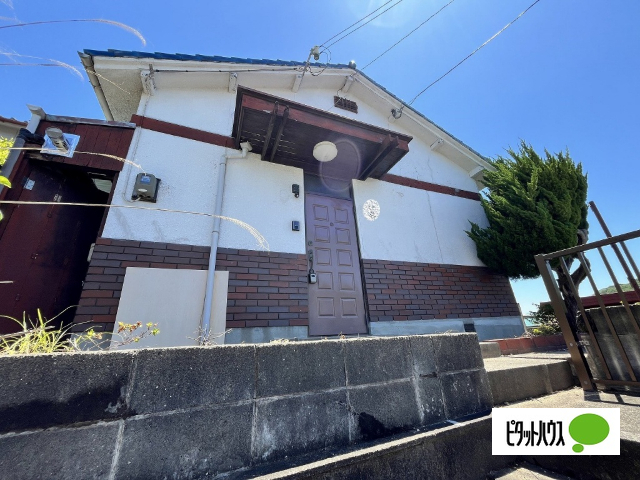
[267, 136]
[387, 145]
[320, 119]
[283, 122]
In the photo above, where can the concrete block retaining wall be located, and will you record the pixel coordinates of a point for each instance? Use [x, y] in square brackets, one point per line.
[190, 412]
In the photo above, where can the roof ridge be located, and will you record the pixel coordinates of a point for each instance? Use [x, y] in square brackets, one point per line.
[113, 53]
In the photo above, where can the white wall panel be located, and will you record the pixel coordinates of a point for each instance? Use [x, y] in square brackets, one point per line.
[404, 230]
[259, 193]
[188, 173]
[173, 299]
[452, 216]
[205, 109]
[415, 225]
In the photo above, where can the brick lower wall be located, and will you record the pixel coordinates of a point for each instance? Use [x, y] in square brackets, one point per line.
[266, 289]
[100, 297]
[416, 291]
[269, 289]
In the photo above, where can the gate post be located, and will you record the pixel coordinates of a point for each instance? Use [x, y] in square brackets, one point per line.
[570, 337]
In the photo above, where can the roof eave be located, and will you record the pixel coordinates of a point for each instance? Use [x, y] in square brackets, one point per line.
[87, 62]
[473, 158]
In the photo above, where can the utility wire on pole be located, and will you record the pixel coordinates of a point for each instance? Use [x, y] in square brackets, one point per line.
[472, 53]
[315, 51]
[365, 23]
[407, 35]
[355, 23]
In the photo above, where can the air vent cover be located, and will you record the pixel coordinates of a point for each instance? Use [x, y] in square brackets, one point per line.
[345, 104]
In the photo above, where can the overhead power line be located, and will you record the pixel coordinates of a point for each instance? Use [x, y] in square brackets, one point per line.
[472, 53]
[407, 35]
[355, 23]
[365, 23]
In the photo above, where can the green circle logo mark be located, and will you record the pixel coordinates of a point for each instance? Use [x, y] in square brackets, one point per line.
[588, 429]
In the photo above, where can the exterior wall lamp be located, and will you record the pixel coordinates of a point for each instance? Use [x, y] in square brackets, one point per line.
[325, 151]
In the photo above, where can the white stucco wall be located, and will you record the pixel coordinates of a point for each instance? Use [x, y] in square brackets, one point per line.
[259, 193]
[421, 163]
[205, 109]
[416, 225]
[212, 110]
[188, 173]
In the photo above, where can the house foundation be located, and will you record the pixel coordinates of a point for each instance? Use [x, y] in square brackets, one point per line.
[267, 292]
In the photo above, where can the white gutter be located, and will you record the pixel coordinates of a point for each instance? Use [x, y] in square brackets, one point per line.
[37, 115]
[87, 61]
[215, 237]
[133, 149]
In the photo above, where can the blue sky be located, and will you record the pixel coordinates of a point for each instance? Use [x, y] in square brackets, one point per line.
[564, 76]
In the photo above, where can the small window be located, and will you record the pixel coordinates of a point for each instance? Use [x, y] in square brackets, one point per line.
[102, 184]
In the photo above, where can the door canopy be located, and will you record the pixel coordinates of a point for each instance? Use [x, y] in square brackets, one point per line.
[286, 132]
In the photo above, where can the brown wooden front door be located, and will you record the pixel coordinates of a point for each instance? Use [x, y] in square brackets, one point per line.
[44, 248]
[336, 303]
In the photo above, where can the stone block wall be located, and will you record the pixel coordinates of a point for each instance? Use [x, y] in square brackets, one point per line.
[198, 411]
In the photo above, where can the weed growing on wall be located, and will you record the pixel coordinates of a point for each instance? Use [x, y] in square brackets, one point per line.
[40, 336]
[37, 336]
[126, 334]
[207, 338]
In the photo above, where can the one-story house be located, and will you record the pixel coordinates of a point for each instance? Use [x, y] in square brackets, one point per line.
[276, 200]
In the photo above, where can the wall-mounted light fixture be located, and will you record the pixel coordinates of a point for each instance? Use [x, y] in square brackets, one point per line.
[325, 151]
[295, 189]
[56, 142]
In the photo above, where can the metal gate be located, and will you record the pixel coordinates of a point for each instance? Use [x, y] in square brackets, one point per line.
[604, 342]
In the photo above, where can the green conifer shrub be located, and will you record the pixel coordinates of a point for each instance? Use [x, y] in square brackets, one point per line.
[534, 205]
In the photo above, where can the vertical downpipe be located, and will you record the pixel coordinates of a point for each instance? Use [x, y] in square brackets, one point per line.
[215, 237]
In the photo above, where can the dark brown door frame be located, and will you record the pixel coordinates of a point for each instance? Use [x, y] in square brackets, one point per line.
[308, 178]
[363, 300]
